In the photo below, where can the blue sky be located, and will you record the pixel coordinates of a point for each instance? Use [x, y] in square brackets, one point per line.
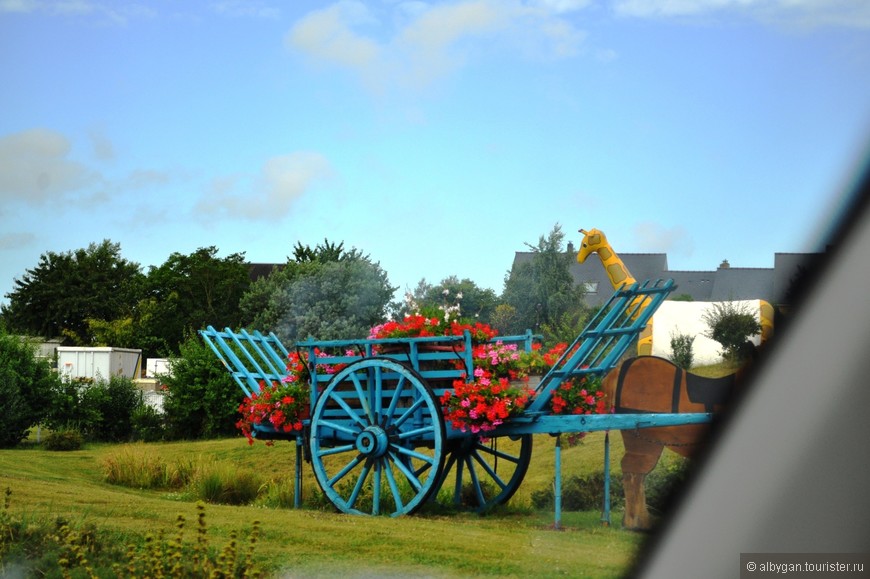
[438, 137]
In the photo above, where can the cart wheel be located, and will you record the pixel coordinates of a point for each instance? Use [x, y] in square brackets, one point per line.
[377, 439]
[486, 473]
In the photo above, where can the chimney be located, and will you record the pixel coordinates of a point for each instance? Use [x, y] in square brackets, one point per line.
[724, 264]
[570, 247]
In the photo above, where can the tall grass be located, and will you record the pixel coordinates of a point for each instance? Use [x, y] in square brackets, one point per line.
[213, 482]
[64, 549]
[139, 467]
[223, 483]
[151, 484]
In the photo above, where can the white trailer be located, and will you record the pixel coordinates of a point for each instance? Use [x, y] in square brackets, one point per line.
[98, 363]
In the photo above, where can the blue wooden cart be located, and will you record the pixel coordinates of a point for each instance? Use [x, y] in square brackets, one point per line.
[376, 436]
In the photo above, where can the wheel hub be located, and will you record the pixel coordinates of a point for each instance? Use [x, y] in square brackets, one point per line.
[373, 442]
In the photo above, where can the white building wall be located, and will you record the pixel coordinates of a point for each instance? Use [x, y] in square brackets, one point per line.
[675, 317]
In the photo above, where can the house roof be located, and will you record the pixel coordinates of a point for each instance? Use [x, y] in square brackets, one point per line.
[722, 284]
[258, 270]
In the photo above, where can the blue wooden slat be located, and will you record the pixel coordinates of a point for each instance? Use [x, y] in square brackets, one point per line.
[606, 338]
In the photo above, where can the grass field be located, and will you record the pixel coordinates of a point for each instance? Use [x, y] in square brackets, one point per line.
[516, 541]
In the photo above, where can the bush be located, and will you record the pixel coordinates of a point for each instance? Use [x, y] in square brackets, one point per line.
[580, 493]
[202, 400]
[148, 424]
[114, 403]
[663, 485]
[69, 409]
[99, 410]
[26, 385]
[67, 439]
[731, 324]
[681, 350]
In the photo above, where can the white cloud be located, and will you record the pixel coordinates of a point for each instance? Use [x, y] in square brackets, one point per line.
[282, 181]
[35, 167]
[103, 148]
[805, 13]
[426, 41]
[561, 6]
[15, 241]
[246, 8]
[327, 35]
[654, 238]
[114, 13]
[18, 5]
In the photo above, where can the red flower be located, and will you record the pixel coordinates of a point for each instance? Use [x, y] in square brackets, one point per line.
[579, 395]
[483, 404]
[279, 405]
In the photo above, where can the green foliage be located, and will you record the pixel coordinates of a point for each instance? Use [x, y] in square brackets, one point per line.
[65, 290]
[731, 324]
[69, 408]
[227, 484]
[59, 548]
[324, 253]
[682, 353]
[139, 468]
[327, 294]
[279, 494]
[189, 292]
[115, 401]
[202, 400]
[65, 439]
[26, 385]
[100, 410]
[148, 424]
[664, 485]
[541, 290]
[475, 304]
[580, 493]
[568, 325]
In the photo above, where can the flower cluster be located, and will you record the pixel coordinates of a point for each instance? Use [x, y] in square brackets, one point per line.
[483, 404]
[412, 326]
[499, 359]
[579, 395]
[537, 361]
[280, 405]
[442, 320]
[418, 325]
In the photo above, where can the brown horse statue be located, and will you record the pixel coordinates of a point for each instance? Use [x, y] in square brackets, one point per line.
[653, 384]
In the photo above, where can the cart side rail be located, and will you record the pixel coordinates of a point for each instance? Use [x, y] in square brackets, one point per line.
[606, 338]
[250, 357]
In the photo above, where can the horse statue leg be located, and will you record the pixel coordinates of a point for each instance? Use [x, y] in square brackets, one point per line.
[641, 456]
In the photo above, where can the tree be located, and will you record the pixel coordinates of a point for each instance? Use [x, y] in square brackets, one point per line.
[731, 324]
[323, 253]
[202, 400]
[189, 292]
[26, 386]
[474, 302]
[541, 290]
[65, 290]
[337, 300]
[324, 292]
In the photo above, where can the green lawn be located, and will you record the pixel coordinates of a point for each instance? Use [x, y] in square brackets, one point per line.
[517, 542]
